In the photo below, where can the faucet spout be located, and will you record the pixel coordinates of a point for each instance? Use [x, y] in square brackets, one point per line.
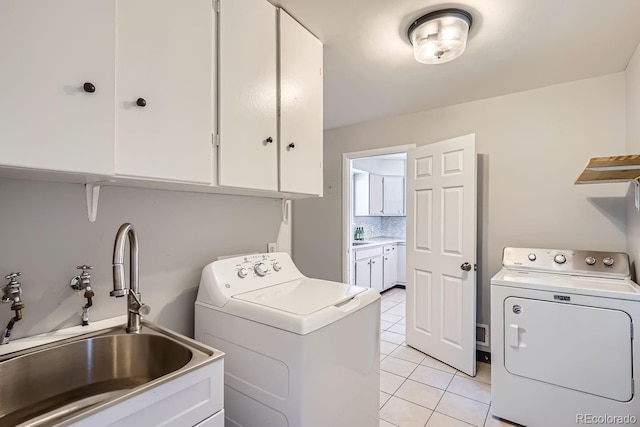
[134, 304]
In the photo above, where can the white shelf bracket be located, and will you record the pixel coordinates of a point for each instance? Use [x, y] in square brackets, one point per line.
[92, 192]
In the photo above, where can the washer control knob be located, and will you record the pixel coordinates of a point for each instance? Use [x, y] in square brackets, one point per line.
[590, 260]
[276, 266]
[532, 257]
[560, 259]
[261, 269]
[242, 273]
[608, 261]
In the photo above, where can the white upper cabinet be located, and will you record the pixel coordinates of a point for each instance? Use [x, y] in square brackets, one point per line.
[300, 108]
[49, 118]
[164, 89]
[376, 198]
[393, 194]
[247, 103]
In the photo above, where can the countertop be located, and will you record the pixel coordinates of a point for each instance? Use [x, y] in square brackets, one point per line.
[378, 241]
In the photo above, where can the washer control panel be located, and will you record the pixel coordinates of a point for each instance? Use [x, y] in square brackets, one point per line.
[568, 261]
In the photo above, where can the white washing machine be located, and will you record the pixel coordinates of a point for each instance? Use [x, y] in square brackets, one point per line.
[563, 349]
[300, 352]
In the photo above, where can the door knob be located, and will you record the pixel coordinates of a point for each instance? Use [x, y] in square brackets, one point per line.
[141, 102]
[466, 266]
[292, 145]
[89, 87]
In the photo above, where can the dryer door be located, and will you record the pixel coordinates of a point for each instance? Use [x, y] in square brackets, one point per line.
[587, 349]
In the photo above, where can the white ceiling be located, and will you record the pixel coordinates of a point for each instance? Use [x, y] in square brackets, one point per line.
[514, 45]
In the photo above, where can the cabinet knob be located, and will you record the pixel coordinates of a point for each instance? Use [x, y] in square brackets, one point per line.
[269, 140]
[141, 102]
[292, 145]
[89, 87]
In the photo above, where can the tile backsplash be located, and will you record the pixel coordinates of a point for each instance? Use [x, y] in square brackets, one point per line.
[381, 226]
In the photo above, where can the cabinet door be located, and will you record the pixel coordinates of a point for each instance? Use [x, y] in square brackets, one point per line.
[363, 273]
[377, 273]
[361, 194]
[375, 195]
[393, 191]
[402, 263]
[247, 99]
[390, 266]
[300, 108]
[49, 49]
[165, 51]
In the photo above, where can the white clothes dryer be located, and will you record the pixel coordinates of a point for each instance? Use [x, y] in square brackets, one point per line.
[563, 348]
[300, 352]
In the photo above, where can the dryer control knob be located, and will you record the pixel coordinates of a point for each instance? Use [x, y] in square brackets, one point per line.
[532, 257]
[608, 261]
[242, 273]
[276, 266]
[590, 260]
[560, 259]
[261, 269]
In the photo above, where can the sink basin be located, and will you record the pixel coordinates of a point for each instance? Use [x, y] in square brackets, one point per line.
[56, 382]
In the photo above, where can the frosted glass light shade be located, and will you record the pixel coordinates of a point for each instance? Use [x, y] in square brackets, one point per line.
[440, 36]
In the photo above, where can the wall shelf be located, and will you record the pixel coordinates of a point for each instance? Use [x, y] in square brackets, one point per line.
[613, 169]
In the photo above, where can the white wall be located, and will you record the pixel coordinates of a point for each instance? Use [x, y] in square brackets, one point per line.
[531, 145]
[633, 147]
[45, 234]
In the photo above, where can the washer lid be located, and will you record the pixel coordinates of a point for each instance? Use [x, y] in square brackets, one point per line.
[301, 297]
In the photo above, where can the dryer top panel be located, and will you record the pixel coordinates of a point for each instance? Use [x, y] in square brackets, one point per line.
[614, 265]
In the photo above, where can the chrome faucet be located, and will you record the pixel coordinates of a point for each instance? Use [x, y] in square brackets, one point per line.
[135, 307]
[82, 282]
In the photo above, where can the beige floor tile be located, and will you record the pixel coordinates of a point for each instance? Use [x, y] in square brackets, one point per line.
[398, 366]
[472, 389]
[398, 297]
[387, 304]
[432, 377]
[398, 329]
[383, 423]
[436, 364]
[404, 414]
[441, 420]
[408, 353]
[467, 410]
[399, 310]
[382, 356]
[483, 373]
[383, 398]
[403, 321]
[421, 394]
[390, 317]
[496, 422]
[392, 337]
[387, 347]
[389, 382]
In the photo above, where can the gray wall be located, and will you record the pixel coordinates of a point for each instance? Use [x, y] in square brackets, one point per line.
[531, 147]
[45, 234]
[633, 147]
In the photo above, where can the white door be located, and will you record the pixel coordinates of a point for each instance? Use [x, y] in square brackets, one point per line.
[441, 251]
[300, 108]
[164, 89]
[393, 193]
[247, 95]
[363, 273]
[375, 195]
[377, 273]
[57, 84]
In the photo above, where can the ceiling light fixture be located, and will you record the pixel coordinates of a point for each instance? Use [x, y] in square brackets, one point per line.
[440, 36]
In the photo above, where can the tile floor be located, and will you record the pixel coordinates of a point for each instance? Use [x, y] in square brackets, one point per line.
[417, 390]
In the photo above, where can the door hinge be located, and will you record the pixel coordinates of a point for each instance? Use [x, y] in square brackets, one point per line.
[216, 5]
[217, 139]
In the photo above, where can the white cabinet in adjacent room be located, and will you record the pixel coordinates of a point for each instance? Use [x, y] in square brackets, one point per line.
[363, 273]
[402, 263]
[377, 273]
[247, 91]
[369, 268]
[164, 89]
[300, 108]
[393, 195]
[57, 85]
[376, 195]
[390, 257]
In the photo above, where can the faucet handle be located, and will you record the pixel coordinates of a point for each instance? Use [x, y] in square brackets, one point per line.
[12, 277]
[84, 268]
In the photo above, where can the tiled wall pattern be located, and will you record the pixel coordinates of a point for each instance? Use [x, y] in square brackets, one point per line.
[381, 226]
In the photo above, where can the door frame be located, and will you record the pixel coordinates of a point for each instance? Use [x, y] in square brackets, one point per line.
[347, 199]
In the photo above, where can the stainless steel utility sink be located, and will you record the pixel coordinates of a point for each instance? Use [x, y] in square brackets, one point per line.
[59, 381]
